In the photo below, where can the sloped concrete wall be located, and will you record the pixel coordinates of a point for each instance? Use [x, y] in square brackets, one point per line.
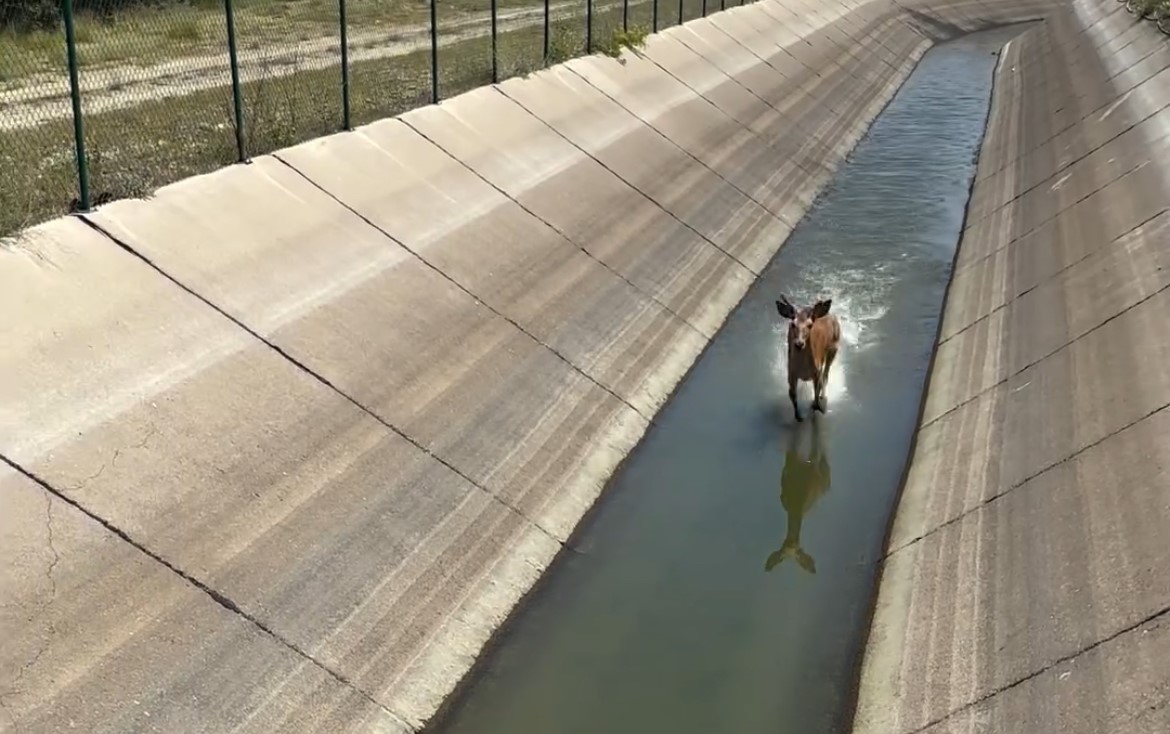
[1026, 586]
[285, 443]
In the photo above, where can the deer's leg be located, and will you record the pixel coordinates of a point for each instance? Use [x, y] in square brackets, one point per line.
[824, 378]
[792, 397]
[829, 357]
[819, 392]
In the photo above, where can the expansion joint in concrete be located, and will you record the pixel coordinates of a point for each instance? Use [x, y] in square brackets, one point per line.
[1158, 617]
[1100, 252]
[621, 178]
[795, 125]
[1001, 494]
[1038, 360]
[1015, 199]
[686, 152]
[1061, 169]
[324, 381]
[418, 256]
[564, 235]
[223, 600]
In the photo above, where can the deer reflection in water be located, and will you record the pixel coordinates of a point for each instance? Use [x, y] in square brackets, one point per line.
[802, 483]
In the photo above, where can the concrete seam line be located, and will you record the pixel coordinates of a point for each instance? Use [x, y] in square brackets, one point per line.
[780, 49]
[366, 220]
[1100, 251]
[1163, 612]
[218, 597]
[621, 178]
[1038, 360]
[1076, 160]
[564, 235]
[1036, 186]
[793, 122]
[686, 152]
[819, 100]
[872, 611]
[842, 21]
[1006, 491]
[703, 96]
[315, 375]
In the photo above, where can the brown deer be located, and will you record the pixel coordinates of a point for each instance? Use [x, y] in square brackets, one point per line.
[813, 336]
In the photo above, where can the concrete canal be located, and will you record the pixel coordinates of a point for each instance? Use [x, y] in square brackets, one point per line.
[723, 584]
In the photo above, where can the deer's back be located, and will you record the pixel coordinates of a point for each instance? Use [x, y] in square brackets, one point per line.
[826, 333]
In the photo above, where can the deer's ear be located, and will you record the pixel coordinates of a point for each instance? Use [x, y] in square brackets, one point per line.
[821, 308]
[785, 308]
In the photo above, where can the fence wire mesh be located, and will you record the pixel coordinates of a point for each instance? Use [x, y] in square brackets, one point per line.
[154, 93]
[36, 130]
[162, 83]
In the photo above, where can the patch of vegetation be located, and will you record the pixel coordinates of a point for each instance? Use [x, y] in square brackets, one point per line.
[1155, 10]
[135, 150]
[633, 39]
[185, 30]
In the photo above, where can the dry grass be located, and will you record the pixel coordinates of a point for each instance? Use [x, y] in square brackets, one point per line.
[152, 35]
[136, 150]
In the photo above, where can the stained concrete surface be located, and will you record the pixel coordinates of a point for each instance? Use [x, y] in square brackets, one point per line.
[300, 449]
[1024, 588]
[346, 402]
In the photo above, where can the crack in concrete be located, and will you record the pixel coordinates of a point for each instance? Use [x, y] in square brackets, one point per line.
[217, 596]
[14, 688]
[150, 432]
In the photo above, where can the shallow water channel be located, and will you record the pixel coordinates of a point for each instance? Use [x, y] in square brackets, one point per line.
[724, 582]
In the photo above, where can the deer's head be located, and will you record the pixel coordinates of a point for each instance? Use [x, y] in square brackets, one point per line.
[801, 319]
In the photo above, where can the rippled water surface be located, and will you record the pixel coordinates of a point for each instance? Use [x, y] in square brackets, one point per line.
[723, 585]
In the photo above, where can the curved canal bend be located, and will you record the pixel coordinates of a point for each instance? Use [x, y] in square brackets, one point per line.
[724, 582]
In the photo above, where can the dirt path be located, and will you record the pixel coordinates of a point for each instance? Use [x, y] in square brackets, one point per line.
[46, 98]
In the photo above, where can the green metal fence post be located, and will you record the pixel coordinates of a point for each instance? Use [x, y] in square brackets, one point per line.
[704, 8]
[75, 97]
[546, 31]
[680, 12]
[237, 94]
[625, 15]
[434, 51]
[588, 26]
[654, 25]
[345, 119]
[495, 55]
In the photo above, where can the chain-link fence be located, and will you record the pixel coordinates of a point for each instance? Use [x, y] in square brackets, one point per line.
[105, 99]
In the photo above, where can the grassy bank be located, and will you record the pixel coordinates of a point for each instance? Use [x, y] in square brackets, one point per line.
[142, 36]
[136, 149]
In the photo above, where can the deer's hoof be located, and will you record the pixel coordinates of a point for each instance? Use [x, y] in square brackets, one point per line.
[819, 405]
[799, 418]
